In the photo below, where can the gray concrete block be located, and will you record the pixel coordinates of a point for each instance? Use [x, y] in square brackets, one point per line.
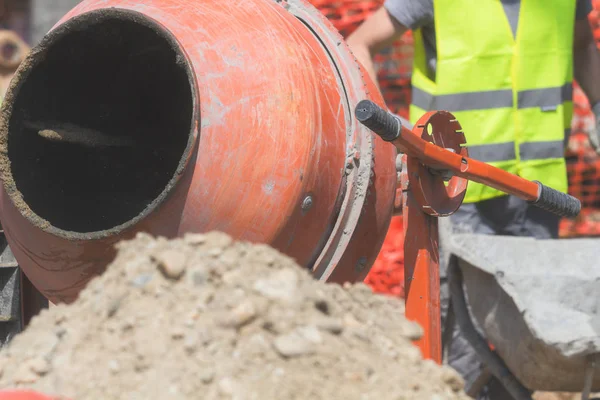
[537, 301]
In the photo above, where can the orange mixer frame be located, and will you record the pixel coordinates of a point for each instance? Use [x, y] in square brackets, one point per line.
[433, 181]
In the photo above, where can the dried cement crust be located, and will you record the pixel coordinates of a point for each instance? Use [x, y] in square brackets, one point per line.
[206, 317]
[34, 58]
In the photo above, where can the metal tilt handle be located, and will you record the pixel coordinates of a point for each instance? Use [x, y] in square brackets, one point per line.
[435, 172]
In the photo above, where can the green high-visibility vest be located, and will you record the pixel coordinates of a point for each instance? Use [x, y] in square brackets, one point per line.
[512, 96]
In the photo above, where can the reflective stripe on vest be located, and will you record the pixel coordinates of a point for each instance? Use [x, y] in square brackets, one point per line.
[512, 96]
[547, 99]
[528, 151]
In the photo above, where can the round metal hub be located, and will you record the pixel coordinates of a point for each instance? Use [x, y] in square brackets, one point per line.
[438, 195]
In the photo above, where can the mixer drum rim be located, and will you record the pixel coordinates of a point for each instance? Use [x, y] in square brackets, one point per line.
[11, 117]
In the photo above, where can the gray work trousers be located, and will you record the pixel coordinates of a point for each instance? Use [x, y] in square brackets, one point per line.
[507, 216]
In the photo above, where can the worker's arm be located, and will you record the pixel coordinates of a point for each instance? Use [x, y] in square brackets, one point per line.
[375, 33]
[586, 59]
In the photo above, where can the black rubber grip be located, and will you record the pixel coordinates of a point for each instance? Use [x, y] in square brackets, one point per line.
[557, 202]
[378, 120]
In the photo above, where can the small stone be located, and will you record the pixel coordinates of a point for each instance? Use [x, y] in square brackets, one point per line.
[177, 333]
[199, 277]
[31, 370]
[281, 285]
[268, 259]
[310, 333]
[190, 343]
[229, 257]
[354, 376]
[412, 331]
[412, 354]
[60, 332]
[113, 307]
[259, 344]
[205, 336]
[171, 263]
[24, 375]
[191, 319]
[141, 363]
[293, 345]
[219, 239]
[226, 386]
[40, 366]
[452, 379]
[141, 280]
[215, 252]
[141, 236]
[113, 366]
[361, 288]
[60, 318]
[195, 239]
[361, 333]
[331, 325]
[204, 297]
[207, 375]
[350, 321]
[322, 306]
[127, 324]
[241, 315]
[233, 277]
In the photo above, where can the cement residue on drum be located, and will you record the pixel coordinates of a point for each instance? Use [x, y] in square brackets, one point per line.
[88, 126]
[5, 170]
[71, 134]
[206, 317]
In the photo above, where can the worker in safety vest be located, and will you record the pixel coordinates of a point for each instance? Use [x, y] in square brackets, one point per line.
[504, 68]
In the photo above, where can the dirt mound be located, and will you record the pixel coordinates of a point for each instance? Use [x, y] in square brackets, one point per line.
[206, 317]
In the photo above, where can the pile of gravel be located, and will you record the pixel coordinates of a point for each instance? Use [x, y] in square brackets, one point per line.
[207, 317]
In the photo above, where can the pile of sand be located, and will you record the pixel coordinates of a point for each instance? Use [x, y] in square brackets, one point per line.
[206, 317]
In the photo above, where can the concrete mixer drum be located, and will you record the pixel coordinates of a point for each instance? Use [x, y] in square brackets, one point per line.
[151, 116]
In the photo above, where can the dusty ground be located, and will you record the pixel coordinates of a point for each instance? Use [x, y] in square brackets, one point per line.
[204, 317]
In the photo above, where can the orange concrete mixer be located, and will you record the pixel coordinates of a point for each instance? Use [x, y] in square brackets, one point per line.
[252, 118]
[172, 116]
